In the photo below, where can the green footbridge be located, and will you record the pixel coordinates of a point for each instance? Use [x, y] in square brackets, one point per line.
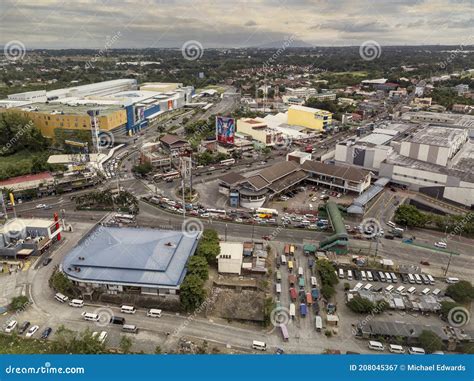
[339, 241]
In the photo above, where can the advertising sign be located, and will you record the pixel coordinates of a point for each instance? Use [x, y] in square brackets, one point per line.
[225, 130]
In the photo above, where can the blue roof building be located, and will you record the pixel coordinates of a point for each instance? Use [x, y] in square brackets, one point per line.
[121, 259]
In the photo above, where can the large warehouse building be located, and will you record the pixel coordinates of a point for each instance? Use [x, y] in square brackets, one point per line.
[130, 260]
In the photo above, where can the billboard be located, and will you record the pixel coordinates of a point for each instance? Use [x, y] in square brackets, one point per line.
[225, 129]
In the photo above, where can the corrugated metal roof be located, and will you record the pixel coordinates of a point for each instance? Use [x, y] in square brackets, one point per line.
[142, 257]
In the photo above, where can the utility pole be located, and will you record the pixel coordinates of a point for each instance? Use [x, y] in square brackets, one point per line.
[449, 262]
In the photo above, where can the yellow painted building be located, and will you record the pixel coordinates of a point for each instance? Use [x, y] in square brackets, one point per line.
[257, 129]
[48, 117]
[308, 117]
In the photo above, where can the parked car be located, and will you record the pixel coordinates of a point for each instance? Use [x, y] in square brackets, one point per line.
[24, 327]
[11, 326]
[32, 331]
[46, 333]
[47, 261]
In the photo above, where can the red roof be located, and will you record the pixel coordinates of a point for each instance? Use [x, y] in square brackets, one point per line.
[26, 178]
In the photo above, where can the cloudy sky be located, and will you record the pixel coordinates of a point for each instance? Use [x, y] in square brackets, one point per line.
[239, 23]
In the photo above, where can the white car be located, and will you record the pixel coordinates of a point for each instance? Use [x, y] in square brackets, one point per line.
[441, 244]
[40, 206]
[103, 336]
[11, 326]
[32, 331]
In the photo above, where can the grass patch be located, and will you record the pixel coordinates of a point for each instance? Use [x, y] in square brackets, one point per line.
[20, 163]
[14, 344]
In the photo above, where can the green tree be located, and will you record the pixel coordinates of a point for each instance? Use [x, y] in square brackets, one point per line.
[461, 292]
[18, 303]
[430, 341]
[192, 293]
[446, 307]
[125, 344]
[327, 291]
[360, 305]
[327, 272]
[142, 169]
[408, 215]
[61, 283]
[158, 350]
[208, 246]
[197, 265]
[68, 341]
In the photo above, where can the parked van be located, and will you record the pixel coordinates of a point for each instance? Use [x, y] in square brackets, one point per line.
[391, 224]
[411, 290]
[314, 281]
[396, 349]
[153, 312]
[452, 280]
[394, 277]
[278, 288]
[283, 259]
[78, 303]
[284, 332]
[416, 351]
[318, 323]
[388, 277]
[436, 292]
[358, 286]
[376, 345]
[349, 275]
[382, 276]
[362, 275]
[130, 328]
[290, 265]
[417, 279]
[292, 310]
[400, 289]
[341, 274]
[370, 278]
[117, 320]
[278, 275]
[61, 298]
[367, 287]
[411, 278]
[431, 279]
[300, 271]
[424, 279]
[389, 288]
[260, 345]
[90, 316]
[128, 309]
[426, 291]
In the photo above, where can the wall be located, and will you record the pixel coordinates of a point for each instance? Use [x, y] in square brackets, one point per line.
[308, 119]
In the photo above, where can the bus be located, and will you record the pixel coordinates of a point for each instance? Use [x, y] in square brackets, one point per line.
[216, 212]
[227, 162]
[292, 249]
[170, 175]
[124, 218]
[287, 249]
[273, 212]
[284, 332]
[292, 310]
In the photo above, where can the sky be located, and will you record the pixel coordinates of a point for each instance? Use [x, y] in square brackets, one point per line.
[108, 24]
